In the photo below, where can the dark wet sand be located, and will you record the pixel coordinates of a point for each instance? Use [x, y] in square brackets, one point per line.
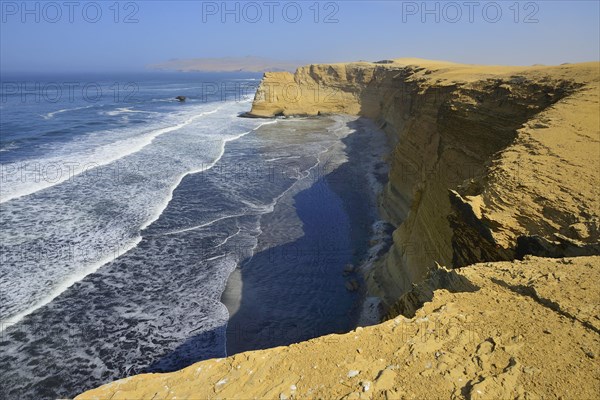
[293, 288]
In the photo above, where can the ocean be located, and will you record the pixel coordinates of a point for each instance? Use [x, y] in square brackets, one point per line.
[125, 215]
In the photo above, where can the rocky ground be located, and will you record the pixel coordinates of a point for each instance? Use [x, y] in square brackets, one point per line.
[489, 165]
[527, 330]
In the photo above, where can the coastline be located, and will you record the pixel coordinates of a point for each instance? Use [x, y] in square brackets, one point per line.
[485, 234]
[342, 188]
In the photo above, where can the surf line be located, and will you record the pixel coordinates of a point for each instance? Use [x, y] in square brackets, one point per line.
[166, 202]
[63, 286]
[144, 141]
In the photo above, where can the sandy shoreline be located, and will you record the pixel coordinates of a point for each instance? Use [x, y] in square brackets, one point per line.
[344, 186]
[488, 162]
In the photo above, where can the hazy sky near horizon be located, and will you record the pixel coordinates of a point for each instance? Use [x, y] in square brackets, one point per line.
[130, 35]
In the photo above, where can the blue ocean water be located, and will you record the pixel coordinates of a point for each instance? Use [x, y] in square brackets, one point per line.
[123, 212]
[83, 175]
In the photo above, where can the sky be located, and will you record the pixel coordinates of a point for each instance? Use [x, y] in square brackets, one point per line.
[63, 36]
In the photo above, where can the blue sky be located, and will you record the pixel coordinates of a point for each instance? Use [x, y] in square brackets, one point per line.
[545, 32]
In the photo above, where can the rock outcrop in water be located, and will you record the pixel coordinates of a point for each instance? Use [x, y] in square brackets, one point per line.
[490, 165]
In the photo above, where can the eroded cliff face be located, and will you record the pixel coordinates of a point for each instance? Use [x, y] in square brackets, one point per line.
[488, 164]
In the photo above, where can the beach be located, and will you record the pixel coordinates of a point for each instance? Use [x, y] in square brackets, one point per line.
[299, 282]
[127, 269]
[492, 205]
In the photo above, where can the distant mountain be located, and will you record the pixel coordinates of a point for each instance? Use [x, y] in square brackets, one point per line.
[227, 64]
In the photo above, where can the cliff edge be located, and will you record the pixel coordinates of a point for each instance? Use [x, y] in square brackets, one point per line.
[526, 330]
[494, 174]
[489, 163]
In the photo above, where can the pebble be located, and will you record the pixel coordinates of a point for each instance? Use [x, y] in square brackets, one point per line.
[485, 347]
[366, 386]
[352, 285]
[221, 382]
[590, 354]
[353, 373]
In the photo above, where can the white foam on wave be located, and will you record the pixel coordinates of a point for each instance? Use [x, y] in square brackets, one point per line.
[168, 99]
[216, 257]
[157, 203]
[224, 242]
[11, 146]
[126, 110]
[204, 225]
[280, 158]
[171, 88]
[166, 202]
[51, 115]
[97, 157]
[60, 288]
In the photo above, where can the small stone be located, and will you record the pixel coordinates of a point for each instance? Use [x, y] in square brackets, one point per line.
[353, 373]
[486, 347]
[590, 354]
[529, 370]
[580, 231]
[348, 269]
[293, 388]
[442, 367]
[358, 351]
[282, 396]
[366, 386]
[351, 285]
[547, 331]
[385, 380]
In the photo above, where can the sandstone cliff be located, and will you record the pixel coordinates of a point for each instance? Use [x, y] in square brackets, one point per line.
[490, 165]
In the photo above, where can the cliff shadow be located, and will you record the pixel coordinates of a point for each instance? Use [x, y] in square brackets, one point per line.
[203, 346]
[296, 289]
